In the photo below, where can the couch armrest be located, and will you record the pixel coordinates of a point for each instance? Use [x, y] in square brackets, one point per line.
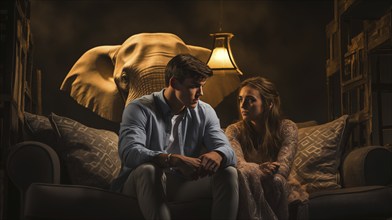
[30, 162]
[371, 165]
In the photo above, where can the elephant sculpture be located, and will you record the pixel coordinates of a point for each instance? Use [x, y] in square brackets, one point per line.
[106, 78]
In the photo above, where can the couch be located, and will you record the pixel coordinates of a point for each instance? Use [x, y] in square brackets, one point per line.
[63, 170]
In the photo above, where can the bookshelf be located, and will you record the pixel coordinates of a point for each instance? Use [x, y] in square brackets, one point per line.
[359, 68]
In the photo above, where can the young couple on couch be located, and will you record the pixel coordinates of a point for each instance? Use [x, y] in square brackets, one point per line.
[172, 148]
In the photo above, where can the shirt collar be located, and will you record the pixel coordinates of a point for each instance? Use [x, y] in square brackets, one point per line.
[164, 106]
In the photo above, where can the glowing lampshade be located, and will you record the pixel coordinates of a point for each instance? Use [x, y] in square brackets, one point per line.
[221, 57]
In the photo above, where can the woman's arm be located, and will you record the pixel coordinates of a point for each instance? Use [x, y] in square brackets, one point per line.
[232, 133]
[288, 150]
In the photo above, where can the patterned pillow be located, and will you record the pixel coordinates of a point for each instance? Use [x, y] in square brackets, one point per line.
[90, 155]
[318, 156]
[38, 128]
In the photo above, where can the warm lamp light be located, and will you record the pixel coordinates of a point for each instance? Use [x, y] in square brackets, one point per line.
[221, 57]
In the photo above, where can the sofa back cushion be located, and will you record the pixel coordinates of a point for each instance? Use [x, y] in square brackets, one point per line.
[38, 128]
[90, 155]
[316, 164]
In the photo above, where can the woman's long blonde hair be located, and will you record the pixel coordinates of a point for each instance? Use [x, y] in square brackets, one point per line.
[269, 142]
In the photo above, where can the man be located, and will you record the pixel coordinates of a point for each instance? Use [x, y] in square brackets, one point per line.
[173, 149]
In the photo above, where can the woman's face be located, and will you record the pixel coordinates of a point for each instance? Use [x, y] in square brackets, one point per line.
[251, 104]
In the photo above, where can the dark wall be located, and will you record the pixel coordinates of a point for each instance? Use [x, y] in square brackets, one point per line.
[281, 40]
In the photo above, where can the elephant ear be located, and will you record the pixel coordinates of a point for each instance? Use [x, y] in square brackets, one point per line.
[221, 84]
[200, 53]
[90, 82]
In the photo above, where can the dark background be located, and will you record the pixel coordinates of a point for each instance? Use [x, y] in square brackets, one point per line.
[281, 40]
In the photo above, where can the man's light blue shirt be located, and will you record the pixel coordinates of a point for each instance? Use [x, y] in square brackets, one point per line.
[145, 131]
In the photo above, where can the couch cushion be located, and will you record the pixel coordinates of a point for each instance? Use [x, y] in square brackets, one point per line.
[306, 124]
[90, 155]
[318, 156]
[366, 202]
[84, 203]
[191, 210]
[63, 202]
[38, 128]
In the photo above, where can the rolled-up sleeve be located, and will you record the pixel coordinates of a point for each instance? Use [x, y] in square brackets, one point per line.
[132, 137]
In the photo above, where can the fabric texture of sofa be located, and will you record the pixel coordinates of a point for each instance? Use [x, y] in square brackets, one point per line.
[63, 171]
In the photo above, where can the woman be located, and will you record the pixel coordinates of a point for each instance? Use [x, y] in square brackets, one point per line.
[265, 145]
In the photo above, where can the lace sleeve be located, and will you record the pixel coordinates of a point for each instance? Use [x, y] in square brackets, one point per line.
[232, 133]
[288, 150]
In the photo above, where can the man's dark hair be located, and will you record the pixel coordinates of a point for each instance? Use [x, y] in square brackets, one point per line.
[185, 65]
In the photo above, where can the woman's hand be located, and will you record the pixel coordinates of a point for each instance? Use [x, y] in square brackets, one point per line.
[269, 168]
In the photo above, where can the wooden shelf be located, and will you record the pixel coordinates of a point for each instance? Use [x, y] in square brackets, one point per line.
[357, 70]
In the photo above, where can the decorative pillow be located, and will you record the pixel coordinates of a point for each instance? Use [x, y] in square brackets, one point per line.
[306, 124]
[90, 155]
[38, 128]
[318, 155]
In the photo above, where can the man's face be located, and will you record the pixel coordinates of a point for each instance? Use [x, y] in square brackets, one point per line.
[190, 90]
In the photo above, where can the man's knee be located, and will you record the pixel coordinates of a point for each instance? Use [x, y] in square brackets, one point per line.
[229, 172]
[225, 194]
[147, 172]
[229, 175]
[279, 181]
[146, 168]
